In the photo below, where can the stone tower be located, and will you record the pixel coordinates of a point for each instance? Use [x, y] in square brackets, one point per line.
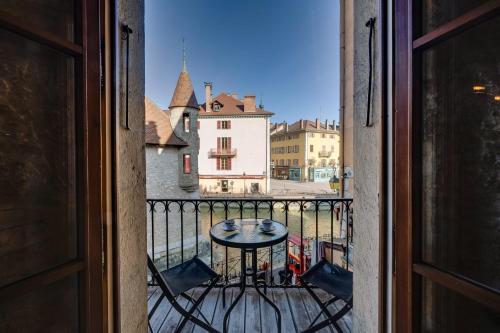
[183, 111]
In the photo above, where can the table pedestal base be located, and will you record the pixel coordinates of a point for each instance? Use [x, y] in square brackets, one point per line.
[243, 284]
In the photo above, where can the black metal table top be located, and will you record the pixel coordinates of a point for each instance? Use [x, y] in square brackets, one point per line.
[249, 235]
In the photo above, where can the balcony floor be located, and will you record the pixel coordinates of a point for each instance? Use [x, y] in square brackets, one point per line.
[251, 314]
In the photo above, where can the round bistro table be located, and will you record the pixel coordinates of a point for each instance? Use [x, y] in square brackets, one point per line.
[248, 237]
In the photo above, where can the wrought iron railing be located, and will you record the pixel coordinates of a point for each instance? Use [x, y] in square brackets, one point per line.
[222, 152]
[324, 153]
[178, 230]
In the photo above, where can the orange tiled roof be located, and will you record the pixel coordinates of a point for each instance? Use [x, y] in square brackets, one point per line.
[309, 125]
[184, 92]
[231, 106]
[158, 128]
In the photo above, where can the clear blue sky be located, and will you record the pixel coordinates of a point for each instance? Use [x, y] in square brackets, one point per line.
[286, 51]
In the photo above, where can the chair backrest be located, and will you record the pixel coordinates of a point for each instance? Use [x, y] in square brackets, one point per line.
[161, 281]
[342, 280]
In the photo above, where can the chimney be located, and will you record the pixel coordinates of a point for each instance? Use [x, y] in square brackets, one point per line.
[208, 96]
[249, 103]
[333, 125]
[286, 126]
[317, 123]
[234, 95]
[302, 124]
[326, 123]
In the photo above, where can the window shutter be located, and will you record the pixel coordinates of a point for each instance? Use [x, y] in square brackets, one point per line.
[229, 124]
[229, 160]
[218, 144]
[218, 124]
[229, 144]
[218, 163]
[198, 124]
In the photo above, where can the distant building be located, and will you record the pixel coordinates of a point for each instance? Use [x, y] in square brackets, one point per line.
[305, 150]
[234, 145]
[172, 145]
[165, 151]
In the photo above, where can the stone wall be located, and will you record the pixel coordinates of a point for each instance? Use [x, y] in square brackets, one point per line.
[366, 160]
[131, 176]
[188, 182]
[162, 182]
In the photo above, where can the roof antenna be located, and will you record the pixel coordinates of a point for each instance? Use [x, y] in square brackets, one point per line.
[184, 68]
[261, 105]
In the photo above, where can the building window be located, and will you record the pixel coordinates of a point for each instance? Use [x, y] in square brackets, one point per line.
[295, 162]
[288, 162]
[225, 143]
[311, 135]
[186, 122]
[225, 163]
[224, 124]
[311, 148]
[323, 135]
[331, 136]
[216, 107]
[187, 163]
[282, 162]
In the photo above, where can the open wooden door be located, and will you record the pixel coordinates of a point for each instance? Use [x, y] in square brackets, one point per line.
[50, 167]
[447, 166]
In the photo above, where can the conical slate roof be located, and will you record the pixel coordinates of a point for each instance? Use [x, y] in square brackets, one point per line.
[184, 92]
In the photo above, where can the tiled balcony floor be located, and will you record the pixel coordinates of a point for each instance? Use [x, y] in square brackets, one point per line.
[251, 314]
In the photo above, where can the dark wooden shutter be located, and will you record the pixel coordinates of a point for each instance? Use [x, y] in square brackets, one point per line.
[229, 160]
[218, 163]
[229, 144]
[51, 207]
[218, 124]
[218, 144]
[229, 124]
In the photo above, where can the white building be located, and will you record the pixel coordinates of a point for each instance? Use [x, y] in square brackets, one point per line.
[234, 151]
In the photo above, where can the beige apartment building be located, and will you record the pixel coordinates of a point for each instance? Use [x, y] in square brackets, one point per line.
[305, 150]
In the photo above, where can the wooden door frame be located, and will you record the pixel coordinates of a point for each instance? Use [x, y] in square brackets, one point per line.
[89, 264]
[408, 268]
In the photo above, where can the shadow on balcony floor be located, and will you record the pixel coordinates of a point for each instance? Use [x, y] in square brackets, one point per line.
[251, 313]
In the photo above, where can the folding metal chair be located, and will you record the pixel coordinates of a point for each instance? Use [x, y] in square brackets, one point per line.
[336, 281]
[176, 281]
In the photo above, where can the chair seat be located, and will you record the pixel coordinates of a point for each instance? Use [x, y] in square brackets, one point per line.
[187, 275]
[332, 278]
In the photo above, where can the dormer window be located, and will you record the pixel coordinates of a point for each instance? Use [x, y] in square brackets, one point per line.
[216, 107]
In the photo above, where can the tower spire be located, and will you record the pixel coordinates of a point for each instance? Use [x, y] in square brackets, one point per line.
[184, 67]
